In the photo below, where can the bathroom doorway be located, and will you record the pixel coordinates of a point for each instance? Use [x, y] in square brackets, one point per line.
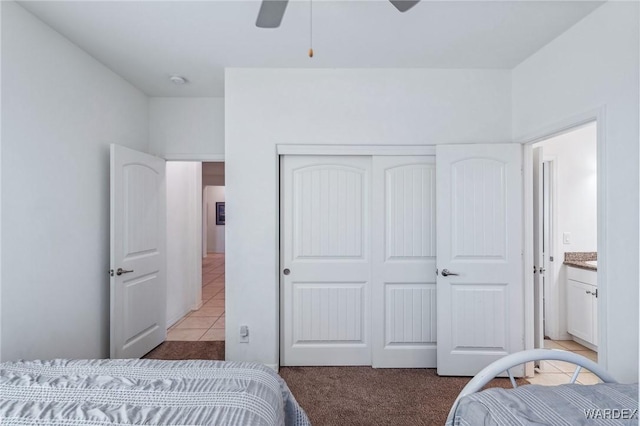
[565, 225]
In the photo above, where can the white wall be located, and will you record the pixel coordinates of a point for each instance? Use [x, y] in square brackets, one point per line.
[595, 65]
[65, 110]
[576, 211]
[575, 156]
[184, 223]
[215, 233]
[265, 107]
[187, 128]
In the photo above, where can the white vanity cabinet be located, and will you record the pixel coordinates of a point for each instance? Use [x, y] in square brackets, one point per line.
[582, 304]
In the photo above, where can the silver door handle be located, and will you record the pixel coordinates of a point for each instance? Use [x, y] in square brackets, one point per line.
[446, 273]
[121, 271]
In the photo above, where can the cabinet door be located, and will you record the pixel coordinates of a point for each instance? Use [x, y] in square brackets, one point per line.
[580, 310]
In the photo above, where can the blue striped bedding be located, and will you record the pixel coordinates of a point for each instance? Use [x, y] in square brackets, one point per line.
[152, 392]
[570, 404]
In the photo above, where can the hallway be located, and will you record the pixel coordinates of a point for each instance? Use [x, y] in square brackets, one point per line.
[207, 323]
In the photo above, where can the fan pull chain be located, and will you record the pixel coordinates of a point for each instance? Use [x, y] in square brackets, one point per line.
[311, 28]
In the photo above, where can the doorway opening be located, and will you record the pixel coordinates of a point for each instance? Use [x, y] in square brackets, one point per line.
[202, 317]
[565, 248]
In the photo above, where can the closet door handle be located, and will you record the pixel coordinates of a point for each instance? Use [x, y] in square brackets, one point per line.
[446, 273]
[121, 271]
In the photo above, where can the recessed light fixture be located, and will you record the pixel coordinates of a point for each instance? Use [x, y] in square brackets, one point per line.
[178, 80]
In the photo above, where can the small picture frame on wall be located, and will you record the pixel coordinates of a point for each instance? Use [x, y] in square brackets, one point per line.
[220, 213]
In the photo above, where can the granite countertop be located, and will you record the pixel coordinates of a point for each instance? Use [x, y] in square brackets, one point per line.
[583, 260]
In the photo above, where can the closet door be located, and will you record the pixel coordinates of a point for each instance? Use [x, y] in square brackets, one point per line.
[403, 256]
[326, 260]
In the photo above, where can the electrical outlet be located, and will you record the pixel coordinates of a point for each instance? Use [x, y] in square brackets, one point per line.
[566, 237]
[244, 334]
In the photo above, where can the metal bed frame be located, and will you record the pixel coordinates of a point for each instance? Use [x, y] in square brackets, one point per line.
[505, 364]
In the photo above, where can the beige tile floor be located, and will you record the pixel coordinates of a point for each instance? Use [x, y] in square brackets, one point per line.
[552, 373]
[207, 323]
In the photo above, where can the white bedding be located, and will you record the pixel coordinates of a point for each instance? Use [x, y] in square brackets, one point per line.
[563, 405]
[153, 392]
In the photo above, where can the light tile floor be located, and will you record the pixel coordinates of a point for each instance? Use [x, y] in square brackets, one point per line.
[552, 373]
[207, 323]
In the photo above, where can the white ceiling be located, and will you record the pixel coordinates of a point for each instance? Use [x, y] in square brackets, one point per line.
[146, 41]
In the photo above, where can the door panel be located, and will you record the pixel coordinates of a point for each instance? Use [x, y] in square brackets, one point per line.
[325, 223]
[479, 213]
[403, 250]
[579, 310]
[138, 233]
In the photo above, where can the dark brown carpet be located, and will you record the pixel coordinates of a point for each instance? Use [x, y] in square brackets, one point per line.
[188, 350]
[366, 396]
[353, 396]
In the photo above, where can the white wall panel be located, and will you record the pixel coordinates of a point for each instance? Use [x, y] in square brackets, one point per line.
[595, 65]
[62, 109]
[184, 128]
[267, 107]
[184, 232]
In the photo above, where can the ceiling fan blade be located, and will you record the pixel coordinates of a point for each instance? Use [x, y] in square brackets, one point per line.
[404, 5]
[271, 13]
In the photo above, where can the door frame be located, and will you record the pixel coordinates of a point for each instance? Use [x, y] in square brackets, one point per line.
[598, 116]
[323, 150]
[549, 216]
[549, 194]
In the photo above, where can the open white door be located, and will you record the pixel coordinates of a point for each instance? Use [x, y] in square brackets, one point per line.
[480, 287]
[538, 253]
[138, 265]
[404, 262]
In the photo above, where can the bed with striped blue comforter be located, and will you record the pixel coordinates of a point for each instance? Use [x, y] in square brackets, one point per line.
[570, 405]
[151, 392]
